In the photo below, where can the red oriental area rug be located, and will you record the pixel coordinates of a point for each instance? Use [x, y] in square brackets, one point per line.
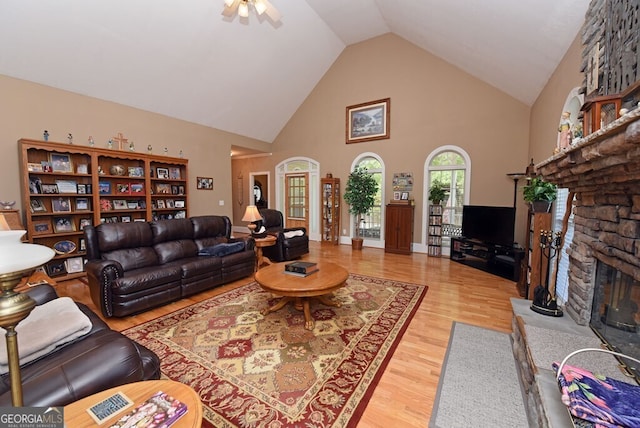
[268, 371]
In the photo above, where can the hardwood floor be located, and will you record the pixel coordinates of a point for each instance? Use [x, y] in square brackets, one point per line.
[406, 392]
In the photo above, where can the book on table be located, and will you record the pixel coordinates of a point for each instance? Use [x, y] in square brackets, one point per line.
[161, 409]
[301, 267]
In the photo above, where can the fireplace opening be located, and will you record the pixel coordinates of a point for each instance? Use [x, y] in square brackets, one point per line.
[615, 315]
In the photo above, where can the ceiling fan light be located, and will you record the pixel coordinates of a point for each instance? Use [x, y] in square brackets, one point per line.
[243, 9]
[260, 6]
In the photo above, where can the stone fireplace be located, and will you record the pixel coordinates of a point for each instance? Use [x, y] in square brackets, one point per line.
[603, 170]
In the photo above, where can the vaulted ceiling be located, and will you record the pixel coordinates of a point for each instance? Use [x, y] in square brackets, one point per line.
[248, 76]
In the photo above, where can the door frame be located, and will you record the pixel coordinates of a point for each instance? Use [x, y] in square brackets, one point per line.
[252, 176]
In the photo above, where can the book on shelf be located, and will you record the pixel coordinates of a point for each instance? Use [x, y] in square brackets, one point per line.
[161, 409]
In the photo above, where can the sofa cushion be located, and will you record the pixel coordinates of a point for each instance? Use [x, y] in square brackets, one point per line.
[147, 278]
[133, 258]
[117, 236]
[222, 250]
[174, 250]
[211, 226]
[171, 230]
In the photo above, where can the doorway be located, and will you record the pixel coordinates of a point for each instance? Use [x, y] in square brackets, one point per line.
[297, 200]
[260, 189]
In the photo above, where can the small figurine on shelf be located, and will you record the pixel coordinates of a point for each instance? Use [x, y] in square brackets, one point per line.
[110, 144]
[565, 129]
[149, 149]
[166, 151]
[7, 205]
[45, 135]
[100, 170]
[70, 138]
[91, 142]
[132, 147]
[181, 154]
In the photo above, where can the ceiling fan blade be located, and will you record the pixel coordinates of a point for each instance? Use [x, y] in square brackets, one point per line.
[271, 11]
[229, 11]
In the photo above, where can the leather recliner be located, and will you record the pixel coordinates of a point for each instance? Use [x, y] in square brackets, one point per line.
[99, 360]
[286, 248]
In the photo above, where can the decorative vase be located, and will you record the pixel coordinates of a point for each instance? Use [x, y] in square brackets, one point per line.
[540, 206]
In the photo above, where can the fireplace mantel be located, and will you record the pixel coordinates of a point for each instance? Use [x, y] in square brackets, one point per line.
[609, 157]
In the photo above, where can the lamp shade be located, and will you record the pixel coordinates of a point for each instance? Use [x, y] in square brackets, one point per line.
[251, 214]
[16, 256]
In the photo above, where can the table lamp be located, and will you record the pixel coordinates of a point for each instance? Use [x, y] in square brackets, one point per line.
[251, 214]
[17, 260]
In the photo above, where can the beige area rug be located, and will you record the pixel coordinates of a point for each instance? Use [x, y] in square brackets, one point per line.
[268, 371]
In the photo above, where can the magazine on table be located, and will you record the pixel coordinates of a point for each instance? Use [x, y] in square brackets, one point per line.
[160, 410]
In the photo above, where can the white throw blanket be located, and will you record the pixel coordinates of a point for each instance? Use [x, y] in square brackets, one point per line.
[293, 233]
[48, 326]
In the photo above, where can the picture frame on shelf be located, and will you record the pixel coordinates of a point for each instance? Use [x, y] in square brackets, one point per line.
[67, 186]
[137, 188]
[74, 265]
[160, 203]
[46, 166]
[35, 185]
[64, 247]
[123, 188]
[204, 183]
[119, 204]
[181, 189]
[84, 222]
[42, 227]
[142, 205]
[179, 203]
[163, 188]
[82, 168]
[60, 162]
[368, 121]
[125, 219]
[104, 187]
[82, 246]
[396, 196]
[113, 219]
[174, 189]
[61, 205]
[162, 173]
[37, 205]
[82, 204]
[34, 167]
[133, 205]
[49, 189]
[404, 196]
[174, 173]
[82, 189]
[63, 224]
[56, 268]
[170, 203]
[136, 171]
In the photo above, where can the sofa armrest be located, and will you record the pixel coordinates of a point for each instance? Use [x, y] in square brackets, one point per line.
[100, 275]
[42, 293]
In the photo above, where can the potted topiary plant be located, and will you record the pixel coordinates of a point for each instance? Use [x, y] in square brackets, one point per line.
[437, 192]
[360, 193]
[540, 194]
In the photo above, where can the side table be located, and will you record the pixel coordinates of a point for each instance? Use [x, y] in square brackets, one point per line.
[267, 241]
[76, 415]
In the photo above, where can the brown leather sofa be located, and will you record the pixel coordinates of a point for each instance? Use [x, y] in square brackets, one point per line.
[141, 265]
[285, 248]
[101, 359]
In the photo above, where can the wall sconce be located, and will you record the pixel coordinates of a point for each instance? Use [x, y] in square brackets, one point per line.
[240, 189]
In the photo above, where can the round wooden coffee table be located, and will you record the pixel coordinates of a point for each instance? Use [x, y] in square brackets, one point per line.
[76, 415]
[298, 289]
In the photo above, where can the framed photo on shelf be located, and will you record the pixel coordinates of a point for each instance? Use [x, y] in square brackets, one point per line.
[84, 222]
[174, 173]
[205, 183]
[34, 167]
[161, 204]
[404, 196]
[37, 206]
[163, 188]
[49, 189]
[368, 121]
[60, 162]
[56, 268]
[82, 168]
[162, 173]
[125, 219]
[123, 188]
[67, 186]
[137, 188]
[61, 205]
[174, 189]
[181, 190]
[35, 185]
[136, 171]
[132, 205]
[82, 189]
[119, 204]
[82, 246]
[170, 203]
[396, 196]
[104, 187]
[82, 204]
[42, 227]
[179, 204]
[63, 224]
[74, 264]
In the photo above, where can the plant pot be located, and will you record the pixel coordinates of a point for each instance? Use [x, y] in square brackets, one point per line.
[356, 243]
[540, 206]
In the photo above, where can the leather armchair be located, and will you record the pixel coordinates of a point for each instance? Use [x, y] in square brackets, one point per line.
[285, 248]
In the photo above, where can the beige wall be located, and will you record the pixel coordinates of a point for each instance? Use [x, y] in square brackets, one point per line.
[432, 104]
[27, 109]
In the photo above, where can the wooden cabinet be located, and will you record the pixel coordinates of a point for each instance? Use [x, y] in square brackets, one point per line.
[536, 263]
[434, 238]
[65, 187]
[330, 190]
[398, 229]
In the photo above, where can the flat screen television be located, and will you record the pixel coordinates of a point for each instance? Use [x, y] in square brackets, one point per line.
[491, 225]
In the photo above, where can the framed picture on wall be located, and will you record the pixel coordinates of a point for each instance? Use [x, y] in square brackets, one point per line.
[368, 121]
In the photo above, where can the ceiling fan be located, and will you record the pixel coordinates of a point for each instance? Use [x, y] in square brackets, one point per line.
[241, 7]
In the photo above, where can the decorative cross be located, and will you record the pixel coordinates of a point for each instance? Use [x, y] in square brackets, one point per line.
[122, 142]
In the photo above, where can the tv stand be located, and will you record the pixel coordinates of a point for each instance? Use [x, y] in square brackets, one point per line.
[500, 260]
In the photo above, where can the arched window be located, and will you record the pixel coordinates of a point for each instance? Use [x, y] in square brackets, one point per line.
[371, 229]
[450, 166]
